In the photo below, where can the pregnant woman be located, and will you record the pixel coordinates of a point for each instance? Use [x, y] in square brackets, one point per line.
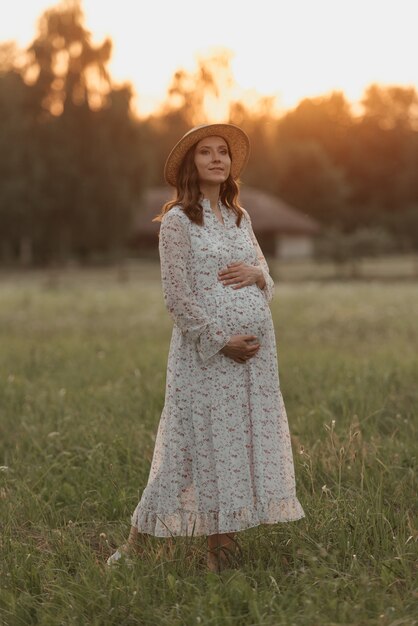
[222, 460]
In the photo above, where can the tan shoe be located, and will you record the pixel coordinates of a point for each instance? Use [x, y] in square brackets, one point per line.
[224, 557]
[216, 560]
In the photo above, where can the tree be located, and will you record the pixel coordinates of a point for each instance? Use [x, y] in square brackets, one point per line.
[383, 153]
[202, 95]
[391, 107]
[327, 120]
[65, 69]
[308, 179]
[78, 163]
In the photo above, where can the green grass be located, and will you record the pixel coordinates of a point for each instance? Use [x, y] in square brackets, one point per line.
[82, 373]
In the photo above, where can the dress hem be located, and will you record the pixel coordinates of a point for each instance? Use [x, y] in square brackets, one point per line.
[183, 523]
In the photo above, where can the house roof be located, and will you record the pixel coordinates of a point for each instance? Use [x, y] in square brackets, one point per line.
[268, 213]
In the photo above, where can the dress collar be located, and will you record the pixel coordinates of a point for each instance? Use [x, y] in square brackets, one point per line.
[205, 202]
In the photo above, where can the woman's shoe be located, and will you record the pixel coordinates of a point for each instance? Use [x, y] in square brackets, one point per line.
[123, 553]
[234, 548]
[216, 560]
[223, 557]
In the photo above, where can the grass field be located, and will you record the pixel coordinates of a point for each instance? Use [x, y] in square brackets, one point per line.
[82, 374]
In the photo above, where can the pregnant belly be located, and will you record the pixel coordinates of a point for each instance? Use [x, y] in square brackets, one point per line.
[240, 311]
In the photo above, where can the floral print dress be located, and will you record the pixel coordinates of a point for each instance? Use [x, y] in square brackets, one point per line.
[222, 460]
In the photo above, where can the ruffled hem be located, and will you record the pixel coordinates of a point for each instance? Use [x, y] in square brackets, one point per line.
[182, 523]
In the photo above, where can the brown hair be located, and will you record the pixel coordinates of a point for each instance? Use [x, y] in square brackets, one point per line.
[188, 192]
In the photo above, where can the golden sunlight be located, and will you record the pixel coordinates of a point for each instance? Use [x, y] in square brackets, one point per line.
[287, 50]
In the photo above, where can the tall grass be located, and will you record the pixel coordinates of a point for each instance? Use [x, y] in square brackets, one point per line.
[82, 373]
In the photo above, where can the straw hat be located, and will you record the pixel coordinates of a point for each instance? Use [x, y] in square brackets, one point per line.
[237, 139]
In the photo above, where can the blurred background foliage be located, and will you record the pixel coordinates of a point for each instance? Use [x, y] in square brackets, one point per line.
[75, 158]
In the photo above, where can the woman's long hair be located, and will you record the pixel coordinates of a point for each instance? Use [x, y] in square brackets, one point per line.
[188, 194]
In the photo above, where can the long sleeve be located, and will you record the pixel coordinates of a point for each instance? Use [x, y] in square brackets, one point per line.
[268, 289]
[181, 303]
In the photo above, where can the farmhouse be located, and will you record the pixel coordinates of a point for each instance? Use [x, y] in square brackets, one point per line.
[282, 231]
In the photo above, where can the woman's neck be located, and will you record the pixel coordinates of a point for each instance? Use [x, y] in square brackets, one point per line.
[211, 193]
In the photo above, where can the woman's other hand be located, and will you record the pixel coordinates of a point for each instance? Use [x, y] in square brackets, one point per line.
[241, 275]
[240, 348]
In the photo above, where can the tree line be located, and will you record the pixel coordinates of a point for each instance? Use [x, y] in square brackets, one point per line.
[75, 159]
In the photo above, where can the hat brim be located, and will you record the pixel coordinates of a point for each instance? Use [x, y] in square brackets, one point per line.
[237, 139]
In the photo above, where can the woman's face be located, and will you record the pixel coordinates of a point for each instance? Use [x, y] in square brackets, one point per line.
[212, 160]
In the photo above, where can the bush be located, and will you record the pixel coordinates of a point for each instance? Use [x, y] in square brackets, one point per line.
[364, 242]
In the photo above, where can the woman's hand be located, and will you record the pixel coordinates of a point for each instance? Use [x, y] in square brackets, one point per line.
[240, 348]
[241, 275]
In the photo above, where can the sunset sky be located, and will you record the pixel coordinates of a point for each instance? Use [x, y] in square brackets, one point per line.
[288, 48]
